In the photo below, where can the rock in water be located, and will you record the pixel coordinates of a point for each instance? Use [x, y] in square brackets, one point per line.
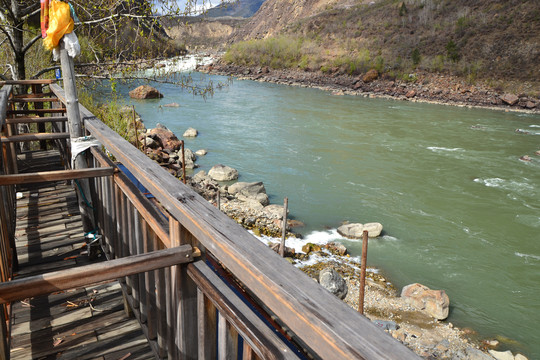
[223, 173]
[374, 229]
[145, 92]
[434, 302]
[191, 132]
[354, 231]
[333, 282]
[501, 355]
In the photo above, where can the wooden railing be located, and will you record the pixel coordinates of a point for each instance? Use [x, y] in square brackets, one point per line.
[238, 299]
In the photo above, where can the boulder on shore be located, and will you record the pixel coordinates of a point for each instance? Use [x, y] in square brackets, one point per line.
[164, 137]
[354, 231]
[145, 92]
[510, 99]
[223, 173]
[434, 302]
[249, 191]
[333, 282]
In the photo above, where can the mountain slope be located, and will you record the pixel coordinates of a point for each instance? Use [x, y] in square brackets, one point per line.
[485, 38]
[238, 8]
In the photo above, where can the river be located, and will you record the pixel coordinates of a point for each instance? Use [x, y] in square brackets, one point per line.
[461, 211]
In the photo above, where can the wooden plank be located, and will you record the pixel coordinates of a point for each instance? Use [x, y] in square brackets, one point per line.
[57, 175]
[31, 99]
[34, 137]
[249, 325]
[84, 275]
[24, 96]
[35, 119]
[36, 111]
[28, 82]
[207, 317]
[328, 325]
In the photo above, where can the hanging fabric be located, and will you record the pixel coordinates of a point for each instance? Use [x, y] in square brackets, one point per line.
[60, 23]
[44, 17]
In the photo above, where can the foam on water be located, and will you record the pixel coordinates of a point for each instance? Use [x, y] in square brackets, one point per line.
[442, 149]
[505, 184]
[527, 256]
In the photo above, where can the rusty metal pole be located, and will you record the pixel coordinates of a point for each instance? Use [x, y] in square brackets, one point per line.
[284, 228]
[219, 200]
[183, 162]
[363, 272]
[135, 128]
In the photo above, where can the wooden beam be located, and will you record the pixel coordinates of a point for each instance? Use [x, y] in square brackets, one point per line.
[36, 111]
[33, 99]
[44, 176]
[34, 137]
[39, 95]
[35, 119]
[91, 274]
[28, 82]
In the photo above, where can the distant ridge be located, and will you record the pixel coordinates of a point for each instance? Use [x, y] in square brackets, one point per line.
[238, 8]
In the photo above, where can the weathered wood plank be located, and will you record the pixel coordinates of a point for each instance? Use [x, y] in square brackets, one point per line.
[253, 330]
[33, 99]
[35, 119]
[56, 175]
[28, 82]
[67, 279]
[36, 111]
[34, 137]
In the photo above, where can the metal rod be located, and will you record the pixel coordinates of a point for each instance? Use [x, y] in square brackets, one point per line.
[363, 272]
[135, 127]
[183, 162]
[284, 228]
[218, 199]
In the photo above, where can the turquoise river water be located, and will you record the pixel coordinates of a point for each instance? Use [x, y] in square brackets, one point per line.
[460, 211]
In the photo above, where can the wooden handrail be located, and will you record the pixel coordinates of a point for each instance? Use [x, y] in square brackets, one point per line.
[35, 119]
[91, 274]
[326, 324]
[45, 176]
[34, 137]
[28, 82]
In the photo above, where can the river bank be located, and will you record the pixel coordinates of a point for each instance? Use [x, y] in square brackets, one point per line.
[420, 86]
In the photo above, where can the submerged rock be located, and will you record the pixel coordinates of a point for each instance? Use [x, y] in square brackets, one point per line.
[191, 132]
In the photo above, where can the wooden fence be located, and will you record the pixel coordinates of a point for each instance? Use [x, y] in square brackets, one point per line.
[223, 294]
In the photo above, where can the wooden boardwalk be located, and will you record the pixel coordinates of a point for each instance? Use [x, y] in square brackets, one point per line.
[85, 323]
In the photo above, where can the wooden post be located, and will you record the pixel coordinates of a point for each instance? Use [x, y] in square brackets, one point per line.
[183, 162]
[284, 228]
[38, 89]
[363, 272]
[75, 131]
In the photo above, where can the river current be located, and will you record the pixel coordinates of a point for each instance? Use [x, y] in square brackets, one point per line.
[461, 211]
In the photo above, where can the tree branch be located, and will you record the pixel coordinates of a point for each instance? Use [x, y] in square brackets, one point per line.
[30, 43]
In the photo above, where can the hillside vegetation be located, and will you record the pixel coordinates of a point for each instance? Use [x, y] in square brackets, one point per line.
[497, 41]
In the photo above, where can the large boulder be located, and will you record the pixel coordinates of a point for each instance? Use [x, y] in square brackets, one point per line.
[510, 99]
[145, 92]
[354, 231]
[370, 76]
[165, 137]
[253, 191]
[433, 302]
[333, 282]
[501, 355]
[223, 173]
[273, 211]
